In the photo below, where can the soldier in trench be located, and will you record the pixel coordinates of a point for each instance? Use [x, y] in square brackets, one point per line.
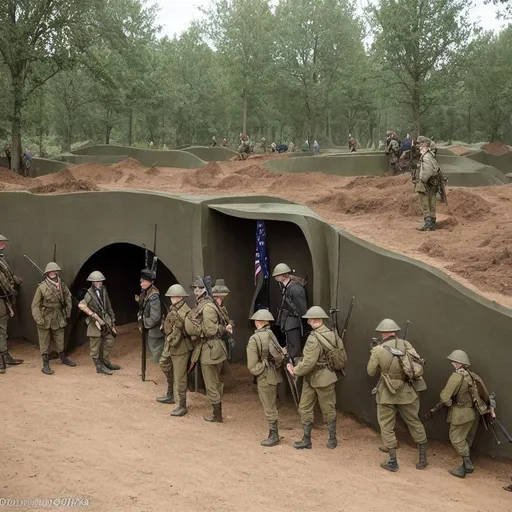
[100, 323]
[51, 309]
[9, 284]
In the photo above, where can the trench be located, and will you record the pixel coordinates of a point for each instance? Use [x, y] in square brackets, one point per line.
[121, 264]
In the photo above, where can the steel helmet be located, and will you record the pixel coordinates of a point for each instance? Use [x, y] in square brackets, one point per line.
[459, 356]
[96, 277]
[388, 325]
[264, 315]
[315, 312]
[52, 267]
[176, 290]
[198, 283]
[3, 238]
[280, 269]
[220, 289]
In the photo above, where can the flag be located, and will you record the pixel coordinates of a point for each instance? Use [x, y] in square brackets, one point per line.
[261, 270]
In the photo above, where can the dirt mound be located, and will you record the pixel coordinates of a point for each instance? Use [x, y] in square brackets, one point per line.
[206, 177]
[379, 182]
[467, 204]
[496, 148]
[460, 150]
[8, 176]
[234, 182]
[256, 171]
[152, 171]
[66, 186]
[432, 249]
[56, 177]
[130, 164]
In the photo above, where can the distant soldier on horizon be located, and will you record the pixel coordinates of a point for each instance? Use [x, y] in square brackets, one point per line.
[264, 144]
[214, 141]
[352, 144]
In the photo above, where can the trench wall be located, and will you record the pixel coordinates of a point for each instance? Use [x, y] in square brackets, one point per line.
[218, 154]
[217, 236]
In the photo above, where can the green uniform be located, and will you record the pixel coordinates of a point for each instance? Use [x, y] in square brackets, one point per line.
[428, 168]
[205, 325]
[462, 415]
[319, 381]
[98, 301]
[264, 360]
[394, 394]
[51, 307]
[264, 144]
[393, 152]
[150, 319]
[177, 348]
[9, 284]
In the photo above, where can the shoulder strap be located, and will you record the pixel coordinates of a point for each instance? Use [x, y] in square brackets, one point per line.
[324, 341]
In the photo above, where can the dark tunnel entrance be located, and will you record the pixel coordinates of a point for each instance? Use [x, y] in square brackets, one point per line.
[121, 264]
[231, 255]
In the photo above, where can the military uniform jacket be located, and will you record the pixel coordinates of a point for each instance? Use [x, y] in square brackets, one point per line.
[313, 366]
[427, 168]
[9, 283]
[296, 294]
[392, 377]
[101, 306]
[203, 323]
[263, 357]
[174, 329]
[456, 395]
[51, 305]
[151, 311]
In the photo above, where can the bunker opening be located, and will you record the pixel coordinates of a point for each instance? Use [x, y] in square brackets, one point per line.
[231, 255]
[121, 264]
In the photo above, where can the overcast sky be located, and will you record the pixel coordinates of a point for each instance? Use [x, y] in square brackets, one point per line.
[176, 15]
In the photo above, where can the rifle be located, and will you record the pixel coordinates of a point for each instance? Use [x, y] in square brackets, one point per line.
[434, 410]
[333, 314]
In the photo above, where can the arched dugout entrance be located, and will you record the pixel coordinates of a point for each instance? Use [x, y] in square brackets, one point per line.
[231, 253]
[121, 264]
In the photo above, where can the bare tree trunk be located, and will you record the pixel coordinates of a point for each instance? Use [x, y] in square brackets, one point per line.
[244, 112]
[16, 125]
[109, 127]
[469, 124]
[130, 127]
[416, 103]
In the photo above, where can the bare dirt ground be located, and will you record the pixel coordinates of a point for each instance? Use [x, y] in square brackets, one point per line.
[106, 439]
[473, 243]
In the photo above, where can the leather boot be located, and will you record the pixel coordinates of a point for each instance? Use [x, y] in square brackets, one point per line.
[10, 360]
[468, 465]
[305, 442]
[46, 366]
[273, 435]
[168, 398]
[460, 472]
[65, 360]
[101, 368]
[422, 460]
[426, 225]
[181, 410]
[111, 366]
[332, 441]
[2, 364]
[216, 417]
[392, 463]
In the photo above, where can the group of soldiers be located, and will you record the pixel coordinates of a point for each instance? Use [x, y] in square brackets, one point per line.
[202, 333]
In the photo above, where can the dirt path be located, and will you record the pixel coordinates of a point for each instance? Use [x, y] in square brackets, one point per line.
[473, 243]
[79, 434]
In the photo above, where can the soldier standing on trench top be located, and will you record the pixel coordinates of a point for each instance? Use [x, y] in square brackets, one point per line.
[425, 183]
[293, 307]
[96, 305]
[264, 359]
[51, 308]
[203, 325]
[395, 394]
[9, 284]
[177, 349]
[319, 380]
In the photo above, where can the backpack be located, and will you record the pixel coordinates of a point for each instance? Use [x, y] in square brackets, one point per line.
[478, 391]
[336, 355]
[412, 366]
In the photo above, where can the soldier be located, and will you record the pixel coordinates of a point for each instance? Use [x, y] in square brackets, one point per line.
[224, 142]
[9, 284]
[150, 314]
[395, 394]
[264, 144]
[425, 184]
[264, 359]
[177, 349]
[151, 145]
[291, 147]
[100, 323]
[352, 145]
[462, 414]
[51, 308]
[293, 307]
[214, 141]
[393, 152]
[7, 151]
[245, 147]
[203, 324]
[319, 381]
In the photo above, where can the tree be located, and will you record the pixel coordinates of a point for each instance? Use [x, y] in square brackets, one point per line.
[416, 38]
